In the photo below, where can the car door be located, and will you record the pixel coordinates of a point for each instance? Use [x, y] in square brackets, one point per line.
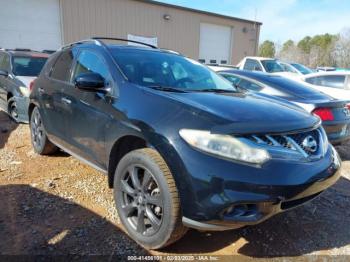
[51, 97]
[87, 115]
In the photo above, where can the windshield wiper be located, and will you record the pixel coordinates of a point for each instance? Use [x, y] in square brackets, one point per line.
[214, 90]
[167, 89]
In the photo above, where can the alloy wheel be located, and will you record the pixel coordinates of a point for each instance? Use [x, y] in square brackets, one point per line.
[37, 130]
[13, 110]
[142, 203]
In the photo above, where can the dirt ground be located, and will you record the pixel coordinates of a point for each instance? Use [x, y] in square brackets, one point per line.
[57, 206]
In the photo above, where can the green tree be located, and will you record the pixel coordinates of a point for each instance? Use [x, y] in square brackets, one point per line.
[287, 45]
[267, 49]
[305, 45]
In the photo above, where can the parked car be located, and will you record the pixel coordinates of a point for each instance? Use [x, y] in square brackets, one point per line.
[180, 145]
[335, 114]
[18, 69]
[334, 83]
[263, 64]
[295, 68]
[325, 68]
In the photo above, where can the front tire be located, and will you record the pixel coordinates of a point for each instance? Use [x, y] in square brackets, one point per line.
[40, 142]
[12, 109]
[147, 199]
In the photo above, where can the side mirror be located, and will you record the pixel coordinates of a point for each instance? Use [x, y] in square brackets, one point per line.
[89, 82]
[4, 73]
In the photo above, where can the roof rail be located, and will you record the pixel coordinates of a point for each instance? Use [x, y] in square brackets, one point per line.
[125, 40]
[23, 49]
[48, 51]
[79, 43]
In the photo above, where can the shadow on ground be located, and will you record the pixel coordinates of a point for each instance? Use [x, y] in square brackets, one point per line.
[318, 225]
[344, 151]
[38, 223]
[6, 128]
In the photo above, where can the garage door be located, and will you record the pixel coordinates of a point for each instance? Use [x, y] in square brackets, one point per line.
[215, 44]
[33, 24]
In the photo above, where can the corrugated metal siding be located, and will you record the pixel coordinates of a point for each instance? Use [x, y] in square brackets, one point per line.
[82, 19]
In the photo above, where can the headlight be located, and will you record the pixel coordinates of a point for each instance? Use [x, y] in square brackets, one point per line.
[24, 90]
[225, 146]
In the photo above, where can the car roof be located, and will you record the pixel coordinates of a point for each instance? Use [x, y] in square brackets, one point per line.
[30, 53]
[278, 82]
[121, 47]
[333, 73]
[259, 58]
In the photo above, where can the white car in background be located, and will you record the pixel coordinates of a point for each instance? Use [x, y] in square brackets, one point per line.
[333, 83]
[263, 64]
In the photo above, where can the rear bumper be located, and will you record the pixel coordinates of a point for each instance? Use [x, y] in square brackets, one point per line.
[337, 132]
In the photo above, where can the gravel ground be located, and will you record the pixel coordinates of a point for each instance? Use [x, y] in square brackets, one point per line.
[58, 206]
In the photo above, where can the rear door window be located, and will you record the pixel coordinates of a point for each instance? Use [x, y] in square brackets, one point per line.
[248, 85]
[336, 81]
[62, 68]
[252, 65]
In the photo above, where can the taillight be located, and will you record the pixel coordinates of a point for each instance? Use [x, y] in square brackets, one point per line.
[31, 85]
[324, 113]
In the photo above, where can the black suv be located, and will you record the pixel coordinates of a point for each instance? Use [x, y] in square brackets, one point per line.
[180, 145]
[18, 69]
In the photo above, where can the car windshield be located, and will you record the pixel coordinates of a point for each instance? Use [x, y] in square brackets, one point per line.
[164, 69]
[27, 65]
[272, 66]
[303, 69]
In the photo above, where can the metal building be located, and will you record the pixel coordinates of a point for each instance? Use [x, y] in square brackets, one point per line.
[47, 24]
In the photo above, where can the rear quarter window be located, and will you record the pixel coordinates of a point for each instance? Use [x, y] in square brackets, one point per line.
[61, 69]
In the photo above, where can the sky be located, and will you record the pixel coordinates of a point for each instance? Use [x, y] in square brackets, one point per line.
[282, 19]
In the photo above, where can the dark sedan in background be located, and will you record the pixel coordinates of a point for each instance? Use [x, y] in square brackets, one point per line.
[18, 69]
[335, 114]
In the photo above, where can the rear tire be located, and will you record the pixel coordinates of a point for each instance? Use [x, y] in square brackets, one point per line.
[40, 142]
[147, 199]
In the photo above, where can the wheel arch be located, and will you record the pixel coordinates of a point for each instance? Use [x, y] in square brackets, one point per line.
[167, 152]
[120, 148]
[9, 96]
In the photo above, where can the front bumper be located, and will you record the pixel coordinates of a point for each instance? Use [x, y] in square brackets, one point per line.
[217, 194]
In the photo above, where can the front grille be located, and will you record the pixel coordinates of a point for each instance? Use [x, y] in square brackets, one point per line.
[307, 143]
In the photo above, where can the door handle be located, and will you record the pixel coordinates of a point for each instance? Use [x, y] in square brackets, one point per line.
[41, 90]
[66, 100]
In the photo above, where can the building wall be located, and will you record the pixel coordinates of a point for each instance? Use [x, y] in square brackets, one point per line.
[82, 19]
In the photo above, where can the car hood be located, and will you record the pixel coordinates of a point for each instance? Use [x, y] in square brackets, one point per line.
[248, 113]
[26, 79]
